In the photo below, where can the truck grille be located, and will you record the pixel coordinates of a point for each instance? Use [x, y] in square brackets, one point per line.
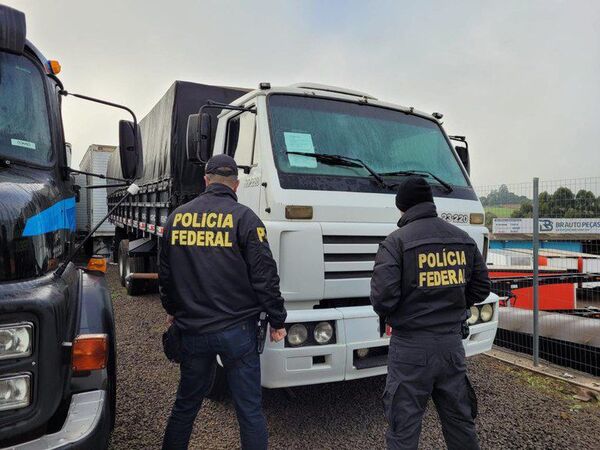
[349, 256]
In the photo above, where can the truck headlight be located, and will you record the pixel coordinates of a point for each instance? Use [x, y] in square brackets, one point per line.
[474, 315]
[486, 313]
[323, 333]
[16, 340]
[14, 392]
[297, 334]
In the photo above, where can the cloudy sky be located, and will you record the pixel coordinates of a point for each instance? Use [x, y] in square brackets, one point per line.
[520, 78]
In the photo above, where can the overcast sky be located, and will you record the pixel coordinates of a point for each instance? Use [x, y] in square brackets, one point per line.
[520, 78]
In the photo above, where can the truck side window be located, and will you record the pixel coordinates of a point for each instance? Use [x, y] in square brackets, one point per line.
[240, 138]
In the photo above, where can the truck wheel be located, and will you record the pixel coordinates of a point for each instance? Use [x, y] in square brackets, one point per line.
[133, 286]
[219, 390]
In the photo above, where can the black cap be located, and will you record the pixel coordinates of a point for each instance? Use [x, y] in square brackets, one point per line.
[412, 191]
[221, 165]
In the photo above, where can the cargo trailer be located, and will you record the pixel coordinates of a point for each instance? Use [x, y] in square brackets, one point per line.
[95, 160]
[82, 219]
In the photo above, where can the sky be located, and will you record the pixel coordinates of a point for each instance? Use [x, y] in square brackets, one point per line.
[521, 79]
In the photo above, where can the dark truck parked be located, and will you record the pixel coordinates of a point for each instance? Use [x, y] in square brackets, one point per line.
[168, 180]
[57, 343]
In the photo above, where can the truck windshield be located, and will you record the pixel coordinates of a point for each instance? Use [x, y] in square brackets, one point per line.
[24, 128]
[387, 140]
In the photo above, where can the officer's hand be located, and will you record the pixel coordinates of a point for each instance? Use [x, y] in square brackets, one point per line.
[170, 319]
[278, 335]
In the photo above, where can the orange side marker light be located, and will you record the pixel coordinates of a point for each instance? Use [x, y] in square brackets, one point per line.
[90, 352]
[54, 66]
[97, 263]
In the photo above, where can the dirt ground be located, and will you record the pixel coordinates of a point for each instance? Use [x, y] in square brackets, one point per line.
[517, 409]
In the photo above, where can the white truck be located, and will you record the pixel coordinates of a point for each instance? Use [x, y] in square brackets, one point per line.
[318, 164]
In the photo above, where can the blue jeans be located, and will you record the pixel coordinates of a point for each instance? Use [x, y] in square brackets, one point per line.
[237, 348]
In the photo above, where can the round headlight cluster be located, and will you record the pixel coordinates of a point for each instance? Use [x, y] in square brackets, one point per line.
[297, 334]
[310, 333]
[486, 313]
[474, 315]
[323, 333]
[481, 313]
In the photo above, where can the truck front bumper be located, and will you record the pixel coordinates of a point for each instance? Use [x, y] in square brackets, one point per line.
[86, 427]
[356, 328]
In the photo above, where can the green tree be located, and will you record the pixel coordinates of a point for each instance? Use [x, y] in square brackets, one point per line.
[586, 203]
[502, 196]
[563, 203]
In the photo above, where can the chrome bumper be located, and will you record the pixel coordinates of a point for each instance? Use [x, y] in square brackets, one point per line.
[85, 413]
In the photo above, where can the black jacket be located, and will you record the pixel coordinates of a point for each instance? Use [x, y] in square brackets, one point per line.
[216, 267]
[427, 273]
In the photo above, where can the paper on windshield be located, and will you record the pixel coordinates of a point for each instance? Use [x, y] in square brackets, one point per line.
[22, 143]
[300, 142]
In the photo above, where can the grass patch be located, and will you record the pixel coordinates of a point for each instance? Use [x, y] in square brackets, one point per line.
[501, 210]
[553, 387]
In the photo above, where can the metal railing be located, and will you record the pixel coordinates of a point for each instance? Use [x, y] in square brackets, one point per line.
[544, 261]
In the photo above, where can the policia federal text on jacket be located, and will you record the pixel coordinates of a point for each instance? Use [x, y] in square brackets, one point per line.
[216, 276]
[427, 273]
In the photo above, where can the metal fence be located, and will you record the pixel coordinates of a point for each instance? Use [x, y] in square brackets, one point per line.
[544, 261]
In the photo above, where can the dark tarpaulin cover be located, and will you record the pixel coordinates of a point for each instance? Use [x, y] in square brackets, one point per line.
[164, 135]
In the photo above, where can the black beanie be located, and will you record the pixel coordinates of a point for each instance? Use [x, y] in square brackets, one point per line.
[412, 191]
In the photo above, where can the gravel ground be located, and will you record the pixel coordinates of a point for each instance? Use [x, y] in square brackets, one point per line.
[516, 408]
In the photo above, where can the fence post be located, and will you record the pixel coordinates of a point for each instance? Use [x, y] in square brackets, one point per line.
[536, 251]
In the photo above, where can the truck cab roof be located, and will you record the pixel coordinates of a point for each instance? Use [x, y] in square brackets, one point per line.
[328, 91]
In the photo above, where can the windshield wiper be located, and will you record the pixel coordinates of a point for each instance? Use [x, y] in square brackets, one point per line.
[422, 173]
[347, 161]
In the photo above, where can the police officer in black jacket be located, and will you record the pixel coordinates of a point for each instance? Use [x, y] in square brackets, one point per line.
[427, 273]
[216, 275]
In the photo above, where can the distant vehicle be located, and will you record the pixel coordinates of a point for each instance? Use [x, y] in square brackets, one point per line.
[93, 198]
[57, 339]
[318, 165]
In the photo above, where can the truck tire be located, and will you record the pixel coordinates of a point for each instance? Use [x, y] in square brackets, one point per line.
[219, 390]
[134, 287]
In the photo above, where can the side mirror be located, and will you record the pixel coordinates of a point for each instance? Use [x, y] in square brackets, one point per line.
[130, 150]
[463, 154]
[199, 138]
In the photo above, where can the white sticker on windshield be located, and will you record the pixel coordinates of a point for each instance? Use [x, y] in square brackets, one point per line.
[300, 142]
[25, 144]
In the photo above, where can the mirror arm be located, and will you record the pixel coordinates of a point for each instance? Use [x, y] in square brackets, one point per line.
[216, 105]
[95, 175]
[462, 139]
[107, 103]
[245, 168]
[100, 186]
[103, 102]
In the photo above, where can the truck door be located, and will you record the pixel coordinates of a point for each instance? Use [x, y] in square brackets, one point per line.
[240, 144]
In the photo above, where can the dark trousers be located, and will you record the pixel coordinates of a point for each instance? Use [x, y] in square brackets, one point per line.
[424, 367]
[236, 347]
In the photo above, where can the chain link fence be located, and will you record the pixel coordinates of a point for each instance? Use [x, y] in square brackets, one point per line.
[544, 261]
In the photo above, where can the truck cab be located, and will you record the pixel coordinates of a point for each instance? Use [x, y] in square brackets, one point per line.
[57, 354]
[326, 215]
